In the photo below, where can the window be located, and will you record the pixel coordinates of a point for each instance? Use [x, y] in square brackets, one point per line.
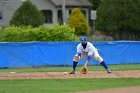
[48, 16]
[6, 1]
[1, 16]
[60, 17]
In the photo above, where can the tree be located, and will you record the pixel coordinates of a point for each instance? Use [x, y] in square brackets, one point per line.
[78, 21]
[95, 3]
[27, 14]
[119, 18]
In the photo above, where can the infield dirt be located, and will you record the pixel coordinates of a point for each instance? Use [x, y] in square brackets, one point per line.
[63, 75]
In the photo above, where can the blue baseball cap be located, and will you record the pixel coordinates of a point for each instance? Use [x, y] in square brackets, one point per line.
[83, 39]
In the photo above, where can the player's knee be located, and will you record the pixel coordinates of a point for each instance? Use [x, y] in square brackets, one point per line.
[98, 58]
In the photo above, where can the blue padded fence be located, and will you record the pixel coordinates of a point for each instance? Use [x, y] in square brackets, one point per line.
[61, 53]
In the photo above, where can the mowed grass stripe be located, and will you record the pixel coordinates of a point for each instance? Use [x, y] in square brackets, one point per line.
[63, 85]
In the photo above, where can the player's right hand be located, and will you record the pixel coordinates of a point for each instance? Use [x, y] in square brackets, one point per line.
[76, 57]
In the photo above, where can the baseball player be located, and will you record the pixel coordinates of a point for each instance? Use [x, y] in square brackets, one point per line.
[86, 49]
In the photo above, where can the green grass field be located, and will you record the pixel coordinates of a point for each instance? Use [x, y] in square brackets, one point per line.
[68, 68]
[65, 85]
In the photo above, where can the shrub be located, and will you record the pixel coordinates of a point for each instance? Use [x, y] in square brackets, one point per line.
[28, 33]
[78, 21]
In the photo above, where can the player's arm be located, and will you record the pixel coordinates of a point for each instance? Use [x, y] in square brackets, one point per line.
[79, 51]
[87, 60]
[89, 55]
[78, 54]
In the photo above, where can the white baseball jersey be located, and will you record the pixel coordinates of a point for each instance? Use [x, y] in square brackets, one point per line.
[90, 49]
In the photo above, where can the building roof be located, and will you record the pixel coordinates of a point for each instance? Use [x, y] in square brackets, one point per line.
[84, 3]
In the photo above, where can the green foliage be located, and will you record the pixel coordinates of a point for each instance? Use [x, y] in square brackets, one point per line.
[27, 14]
[120, 18]
[95, 3]
[28, 33]
[0, 28]
[78, 21]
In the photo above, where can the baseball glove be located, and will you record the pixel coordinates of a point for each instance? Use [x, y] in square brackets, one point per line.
[83, 70]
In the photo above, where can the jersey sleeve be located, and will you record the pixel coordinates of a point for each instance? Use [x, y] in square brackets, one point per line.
[79, 50]
[91, 49]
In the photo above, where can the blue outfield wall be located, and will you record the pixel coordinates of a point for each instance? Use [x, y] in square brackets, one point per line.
[61, 53]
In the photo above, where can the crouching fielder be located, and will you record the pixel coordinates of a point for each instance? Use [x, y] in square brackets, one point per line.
[86, 49]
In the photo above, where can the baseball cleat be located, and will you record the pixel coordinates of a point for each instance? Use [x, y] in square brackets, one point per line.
[72, 72]
[108, 71]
